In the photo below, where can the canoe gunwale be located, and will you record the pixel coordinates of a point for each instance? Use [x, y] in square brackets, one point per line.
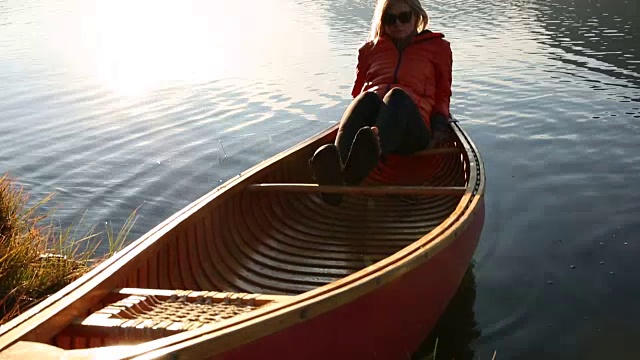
[298, 308]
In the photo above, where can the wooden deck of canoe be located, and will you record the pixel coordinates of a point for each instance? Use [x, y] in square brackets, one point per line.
[262, 260]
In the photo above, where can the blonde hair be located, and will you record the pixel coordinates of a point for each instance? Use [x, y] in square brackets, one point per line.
[377, 29]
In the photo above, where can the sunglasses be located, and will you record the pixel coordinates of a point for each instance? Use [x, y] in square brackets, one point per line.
[390, 19]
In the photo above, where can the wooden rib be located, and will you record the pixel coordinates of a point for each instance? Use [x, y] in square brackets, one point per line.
[321, 235]
[143, 274]
[361, 190]
[421, 215]
[295, 221]
[267, 259]
[163, 266]
[221, 260]
[205, 280]
[153, 279]
[272, 256]
[255, 279]
[213, 237]
[173, 253]
[438, 151]
[290, 254]
[185, 242]
[293, 231]
[283, 278]
[244, 275]
[309, 269]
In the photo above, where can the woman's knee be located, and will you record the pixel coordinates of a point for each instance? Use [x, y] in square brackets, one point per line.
[363, 108]
[396, 96]
[368, 99]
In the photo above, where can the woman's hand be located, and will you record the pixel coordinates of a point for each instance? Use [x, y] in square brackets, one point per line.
[441, 129]
[440, 137]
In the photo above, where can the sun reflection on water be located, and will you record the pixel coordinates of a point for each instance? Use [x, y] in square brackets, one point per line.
[133, 47]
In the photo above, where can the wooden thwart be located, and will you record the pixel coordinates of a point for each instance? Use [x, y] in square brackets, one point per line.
[361, 190]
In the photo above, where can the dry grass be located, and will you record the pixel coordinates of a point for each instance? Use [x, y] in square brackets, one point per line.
[38, 258]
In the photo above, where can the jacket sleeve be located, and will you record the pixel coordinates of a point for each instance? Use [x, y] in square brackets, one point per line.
[361, 72]
[443, 69]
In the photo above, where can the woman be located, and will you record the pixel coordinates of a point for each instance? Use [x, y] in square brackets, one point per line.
[401, 96]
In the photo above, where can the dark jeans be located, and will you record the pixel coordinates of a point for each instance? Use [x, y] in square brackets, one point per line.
[401, 127]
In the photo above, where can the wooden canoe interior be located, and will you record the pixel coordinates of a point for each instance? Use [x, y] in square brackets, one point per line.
[252, 248]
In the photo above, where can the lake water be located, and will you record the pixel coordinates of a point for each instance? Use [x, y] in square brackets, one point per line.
[115, 105]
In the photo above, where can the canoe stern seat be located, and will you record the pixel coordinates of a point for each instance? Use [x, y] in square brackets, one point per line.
[136, 315]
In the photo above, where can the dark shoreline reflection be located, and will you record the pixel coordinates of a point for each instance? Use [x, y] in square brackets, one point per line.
[457, 330]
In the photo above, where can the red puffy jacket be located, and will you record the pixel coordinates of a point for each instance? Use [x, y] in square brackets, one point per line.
[422, 69]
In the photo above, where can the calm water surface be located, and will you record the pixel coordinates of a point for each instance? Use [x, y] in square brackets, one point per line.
[115, 105]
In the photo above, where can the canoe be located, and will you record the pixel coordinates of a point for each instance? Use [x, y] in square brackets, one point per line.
[261, 266]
